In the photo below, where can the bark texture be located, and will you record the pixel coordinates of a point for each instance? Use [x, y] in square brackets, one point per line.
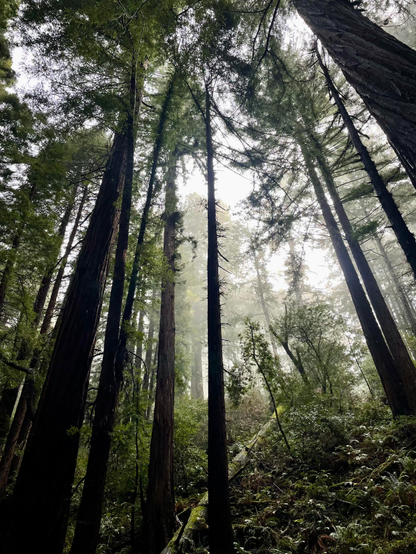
[405, 238]
[381, 69]
[87, 528]
[160, 516]
[43, 503]
[219, 514]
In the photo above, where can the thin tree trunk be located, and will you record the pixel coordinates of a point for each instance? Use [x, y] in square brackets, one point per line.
[47, 278]
[263, 301]
[386, 368]
[197, 388]
[152, 382]
[388, 326]
[57, 284]
[381, 69]
[87, 528]
[405, 238]
[128, 308]
[220, 528]
[405, 304]
[41, 505]
[159, 515]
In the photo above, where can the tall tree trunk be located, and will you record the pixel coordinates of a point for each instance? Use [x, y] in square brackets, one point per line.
[149, 347]
[87, 528]
[263, 304]
[381, 69]
[159, 518]
[40, 506]
[28, 397]
[386, 368]
[388, 326]
[152, 382]
[197, 387]
[128, 308]
[405, 238]
[220, 528]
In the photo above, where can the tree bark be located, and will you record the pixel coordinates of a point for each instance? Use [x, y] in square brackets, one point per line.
[159, 515]
[87, 528]
[41, 505]
[401, 357]
[197, 388]
[381, 69]
[386, 368]
[220, 528]
[128, 308]
[405, 238]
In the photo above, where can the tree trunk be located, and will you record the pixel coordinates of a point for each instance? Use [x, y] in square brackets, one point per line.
[47, 278]
[87, 528]
[57, 284]
[220, 528]
[159, 518]
[263, 301]
[381, 69]
[197, 387]
[40, 506]
[128, 308]
[405, 238]
[401, 357]
[405, 304]
[386, 368]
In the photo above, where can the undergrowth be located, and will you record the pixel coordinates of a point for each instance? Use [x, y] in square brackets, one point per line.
[348, 485]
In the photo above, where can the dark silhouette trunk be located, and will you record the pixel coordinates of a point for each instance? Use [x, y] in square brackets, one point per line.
[219, 514]
[197, 387]
[159, 519]
[405, 238]
[128, 308]
[381, 69]
[51, 453]
[26, 399]
[401, 357]
[87, 528]
[29, 396]
[386, 368]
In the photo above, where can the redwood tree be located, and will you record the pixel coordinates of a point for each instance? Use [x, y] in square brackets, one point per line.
[381, 68]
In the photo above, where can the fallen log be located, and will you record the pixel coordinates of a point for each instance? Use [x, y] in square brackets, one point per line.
[187, 539]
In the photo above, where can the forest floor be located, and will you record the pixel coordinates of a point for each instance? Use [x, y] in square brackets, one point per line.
[347, 485]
